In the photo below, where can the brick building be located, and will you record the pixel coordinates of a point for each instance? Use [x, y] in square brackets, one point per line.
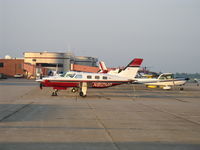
[11, 67]
[83, 68]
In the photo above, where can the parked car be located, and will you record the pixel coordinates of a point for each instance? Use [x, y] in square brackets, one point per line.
[19, 76]
[3, 76]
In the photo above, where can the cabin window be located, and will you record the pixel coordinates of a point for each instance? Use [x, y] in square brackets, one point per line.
[1, 65]
[48, 65]
[19, 66]
[105, 77]
[78, 76]
[97, 77]
[89, 77]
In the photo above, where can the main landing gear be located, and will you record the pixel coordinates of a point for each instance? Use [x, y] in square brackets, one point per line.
[81, 93]
[181, 88]
[83, 90]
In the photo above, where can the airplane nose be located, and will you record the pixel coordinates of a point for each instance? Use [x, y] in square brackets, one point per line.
[187, 79]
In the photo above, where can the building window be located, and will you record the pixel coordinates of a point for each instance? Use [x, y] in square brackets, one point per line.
[105, 77]
[89, 77]
[1, 64]
[97, 77]
[48, 65]
[19, 66]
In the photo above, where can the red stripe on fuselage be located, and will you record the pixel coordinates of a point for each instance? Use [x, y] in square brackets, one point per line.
[95, 84]
[48, 83]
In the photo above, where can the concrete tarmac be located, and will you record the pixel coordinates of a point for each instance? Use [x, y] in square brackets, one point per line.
[120, 118]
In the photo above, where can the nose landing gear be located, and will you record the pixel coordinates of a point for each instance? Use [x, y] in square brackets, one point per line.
[74, 90]
[55, 93]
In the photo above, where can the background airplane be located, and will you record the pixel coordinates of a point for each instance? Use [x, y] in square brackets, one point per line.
[165, 81]
[197, 81]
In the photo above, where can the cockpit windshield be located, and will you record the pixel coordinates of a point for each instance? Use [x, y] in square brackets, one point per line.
[166, 76]
[62, 75]
[68, 75]
[71, 75]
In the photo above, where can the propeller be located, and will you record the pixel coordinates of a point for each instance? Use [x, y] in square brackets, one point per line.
[187, 79]
[41, 86]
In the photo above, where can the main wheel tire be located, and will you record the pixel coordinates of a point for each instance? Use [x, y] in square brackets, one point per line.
[82, 94]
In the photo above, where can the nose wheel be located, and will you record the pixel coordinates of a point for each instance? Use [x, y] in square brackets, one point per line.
[74, 90]
[54, 93]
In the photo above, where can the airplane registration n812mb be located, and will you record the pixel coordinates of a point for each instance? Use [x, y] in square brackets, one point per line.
[81, 81]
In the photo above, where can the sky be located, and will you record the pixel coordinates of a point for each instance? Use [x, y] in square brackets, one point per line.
[165, 33]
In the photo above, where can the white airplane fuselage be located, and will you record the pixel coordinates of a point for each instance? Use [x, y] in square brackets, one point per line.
[73, 79]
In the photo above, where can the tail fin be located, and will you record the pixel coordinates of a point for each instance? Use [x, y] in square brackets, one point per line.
[102, 67]
[131, 69]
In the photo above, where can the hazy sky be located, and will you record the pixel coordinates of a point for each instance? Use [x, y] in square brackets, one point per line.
[166, 33]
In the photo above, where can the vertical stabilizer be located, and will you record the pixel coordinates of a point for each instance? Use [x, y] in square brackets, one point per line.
[131, 69]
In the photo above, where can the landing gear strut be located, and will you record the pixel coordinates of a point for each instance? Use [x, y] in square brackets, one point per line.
[83, 91]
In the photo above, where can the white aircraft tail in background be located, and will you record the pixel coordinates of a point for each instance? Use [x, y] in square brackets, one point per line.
[129, 71]
[102, 67]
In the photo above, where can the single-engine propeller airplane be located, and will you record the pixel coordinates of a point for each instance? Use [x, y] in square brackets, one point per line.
[81, 81]
[165, 81]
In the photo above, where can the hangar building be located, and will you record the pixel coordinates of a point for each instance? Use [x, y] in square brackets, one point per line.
[53, 60]
[36, 63]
